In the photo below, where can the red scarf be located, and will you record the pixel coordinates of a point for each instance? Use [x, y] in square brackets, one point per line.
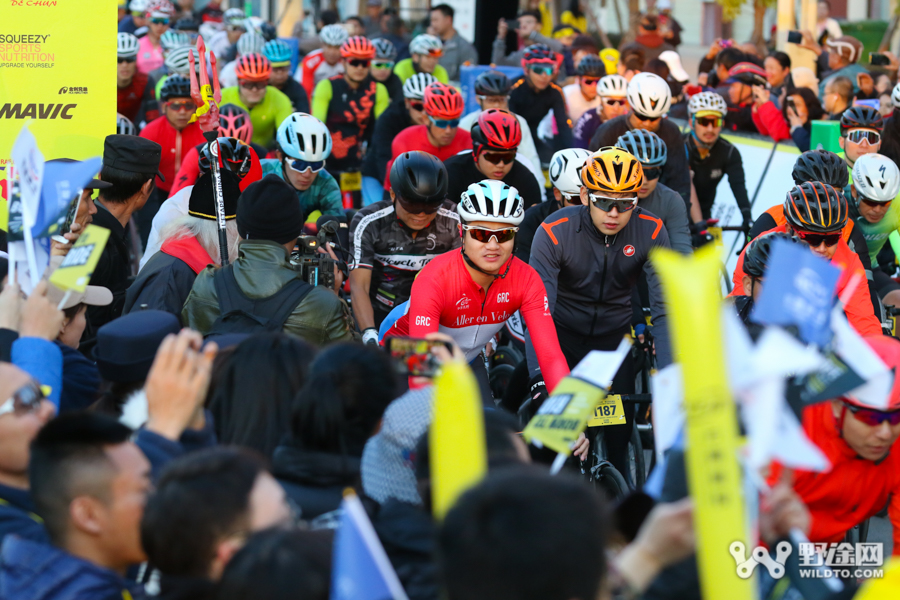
[189, 250]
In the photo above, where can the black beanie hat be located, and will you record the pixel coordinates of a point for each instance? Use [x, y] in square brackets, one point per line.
[203, 200]
[269, 210]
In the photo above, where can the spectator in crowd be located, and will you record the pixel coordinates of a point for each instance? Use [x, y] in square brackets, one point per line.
[801, 108]
[279, 55]
[574, 16]
[324, 62]
[383, 68]
[135, 98]
[838, 97]
[268, 106]
[393, 28]
[803, 77]
[742, 79]
[396, 118]
[275, 362]
[649, 39]
[456, 51]
[826, 27]
[150, 51]
[204, 508]
[354, 26]
[269, 221]
[778, 74]
[582, 95]
[372, 20]
[720, 58]
[527, 34]
[425, 52]
[249, 43]
[890, 141]
[840, 57]
[669, 27]
[339, 408]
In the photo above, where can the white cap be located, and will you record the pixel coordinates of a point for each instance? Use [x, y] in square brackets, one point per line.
[673, 60]
[93, 295]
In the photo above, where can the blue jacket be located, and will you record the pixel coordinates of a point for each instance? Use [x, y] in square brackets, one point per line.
[80, 380]
[43, 361]
[36, 571]
[17, 516]
[160, 450]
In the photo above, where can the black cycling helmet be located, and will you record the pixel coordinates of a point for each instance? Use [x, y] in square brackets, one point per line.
[235, 154]
[175, 86]
[591, 66]
[816, 207]
[821, 165]
[756, 256]
[864, 117]
[419, 177]
[268, 31]
[492, 83]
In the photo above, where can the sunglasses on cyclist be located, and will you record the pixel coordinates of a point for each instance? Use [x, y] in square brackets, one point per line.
[614, 101]
[127, 60]
[875, 203]
[235, 28]
[816, 239]
[444, 123]
[159, 21]
[709, 121]
[645, 119]
[383, 65]
[590, 80]
[301, 166]
[359, 62]
[606, 204]
[24, 400]
[183, 105]
[652, 172]
[418, 208]
[873, 417]
[498, 99]
[254, 85]
[498, 158]
[858, 135]
[437, 52]
[484, 235]
[416, 105]
[541, 69]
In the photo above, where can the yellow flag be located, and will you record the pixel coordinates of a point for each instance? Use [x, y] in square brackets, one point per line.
[456, 440]
[76, 269]
[691, 289]
[564, 415]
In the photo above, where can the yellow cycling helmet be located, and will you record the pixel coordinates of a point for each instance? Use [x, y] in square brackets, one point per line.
[612, 169]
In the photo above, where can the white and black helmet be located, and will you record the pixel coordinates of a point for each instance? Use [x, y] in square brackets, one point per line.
[124, 126]
[250, 43]
[492, 201]
[710, 101]
[126, 45]
[649, 95]
[876, 177]
[425, 43]
[612, 86]
[177, 60]
[384, 49]
[414, 87]
[334, 35]
[565, 170]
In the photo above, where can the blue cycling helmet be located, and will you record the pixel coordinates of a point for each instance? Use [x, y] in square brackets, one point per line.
[646, 146]
[278, 52]
[305, 137]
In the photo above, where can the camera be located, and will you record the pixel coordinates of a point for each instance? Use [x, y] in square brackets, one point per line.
[315, 267]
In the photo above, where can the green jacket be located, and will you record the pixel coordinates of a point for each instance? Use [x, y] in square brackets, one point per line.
[406, 69]
[262, 268]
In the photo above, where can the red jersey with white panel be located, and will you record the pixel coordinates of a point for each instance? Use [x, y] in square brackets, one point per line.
[445, 298]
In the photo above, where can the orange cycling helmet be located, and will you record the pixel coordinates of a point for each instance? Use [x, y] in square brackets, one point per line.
[888, 350]
[443, 101]
[253, 67]
[816, 207]
[358, 47]
[612, 169]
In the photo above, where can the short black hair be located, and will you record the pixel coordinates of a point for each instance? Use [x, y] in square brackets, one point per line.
[61, 454]
[329, 17]
[354, 18]
[125, 184]
[446, 9]
[730, 57]
[200, 499]
[782, 57]
[514, 536]
[531, 13]
[277, 563]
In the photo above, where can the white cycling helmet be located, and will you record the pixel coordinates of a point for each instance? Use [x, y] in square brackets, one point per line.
[565, 170]
[172, 39]
[305, 137]
[234, 16]
[710, 101]
[126, 45]
[250, 43]
[612, 86]
[138, 6]
[334, 35]
[491, 200]
[124, 126]
[414, 87]
[425, 43]
[649, 95]
[895, 96]
[177, 60]
[876, 177]
[160, 9]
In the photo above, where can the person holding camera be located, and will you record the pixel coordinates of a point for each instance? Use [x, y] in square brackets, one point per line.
[392, 240]
[261, 290]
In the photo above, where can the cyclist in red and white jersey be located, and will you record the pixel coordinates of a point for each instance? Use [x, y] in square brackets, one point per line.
[325, 62]
[470, 294]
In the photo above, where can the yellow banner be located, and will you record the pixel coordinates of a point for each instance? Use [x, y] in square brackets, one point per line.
[76, 269]
[57, 68]
[691, 288]
[564, 415]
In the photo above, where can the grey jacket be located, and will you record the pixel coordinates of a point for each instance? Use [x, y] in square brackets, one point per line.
[456, 52]
[667, 204]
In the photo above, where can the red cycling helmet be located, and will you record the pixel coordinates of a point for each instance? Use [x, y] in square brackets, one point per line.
[496, 130]
[253, 67]
[888, 350]
[358, 47]
[443, 101]
[234, 122]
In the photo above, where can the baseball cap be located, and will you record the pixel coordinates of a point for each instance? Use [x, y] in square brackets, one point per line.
[93, 295]
[132, 153]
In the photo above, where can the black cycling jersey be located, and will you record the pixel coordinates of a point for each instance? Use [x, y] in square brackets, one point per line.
[392, 121]
[381, 242]
[296, 93]
[723, 159]
[534, 216]
[462, 172]
[533, 106]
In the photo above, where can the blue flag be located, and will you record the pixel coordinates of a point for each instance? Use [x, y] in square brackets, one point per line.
[361, 569]
[798, 290]
[62, 183]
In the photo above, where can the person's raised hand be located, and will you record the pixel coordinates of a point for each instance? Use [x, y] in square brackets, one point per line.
[59, 249]
[338, 274]
[794, 119]
[809, 42]
[10, 305]
[40, 318]
[760, 95]
[714, 49]
[780, 511]
[177, 383]
[502, 29]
